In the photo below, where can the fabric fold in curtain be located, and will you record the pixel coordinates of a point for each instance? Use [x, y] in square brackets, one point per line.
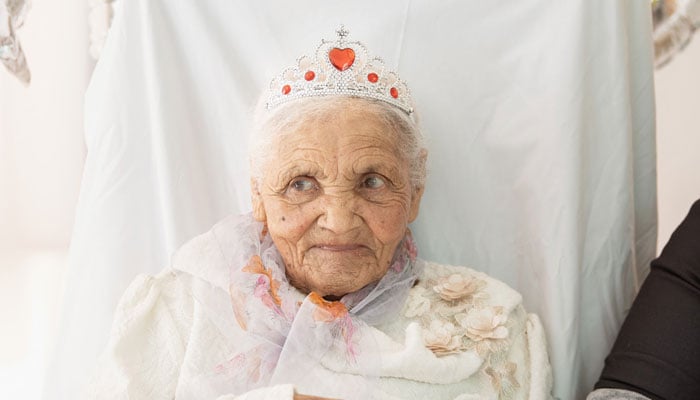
[539, 117]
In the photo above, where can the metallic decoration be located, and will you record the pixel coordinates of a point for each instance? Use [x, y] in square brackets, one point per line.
[12, 15]
[675, 22]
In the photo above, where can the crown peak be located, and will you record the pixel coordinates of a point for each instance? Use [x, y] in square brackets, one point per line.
[342, 33]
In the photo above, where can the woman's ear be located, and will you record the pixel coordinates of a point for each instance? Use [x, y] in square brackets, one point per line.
[418, 190]
[415, 204]
[258, 205]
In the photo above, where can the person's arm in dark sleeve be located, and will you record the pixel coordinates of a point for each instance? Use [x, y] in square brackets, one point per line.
[657, 352]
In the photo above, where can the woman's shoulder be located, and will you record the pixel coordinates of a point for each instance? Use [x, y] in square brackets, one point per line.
[168, 289]
[469, 322]
[458, 307]
[204, 256]
[459, 284]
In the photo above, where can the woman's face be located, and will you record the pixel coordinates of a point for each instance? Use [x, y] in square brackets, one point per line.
[337, 200]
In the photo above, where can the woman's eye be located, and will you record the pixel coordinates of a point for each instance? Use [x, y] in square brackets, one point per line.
[302, 189]
[373, 182]
[303, 184]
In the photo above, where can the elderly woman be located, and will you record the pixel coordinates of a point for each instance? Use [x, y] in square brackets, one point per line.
[319, 291]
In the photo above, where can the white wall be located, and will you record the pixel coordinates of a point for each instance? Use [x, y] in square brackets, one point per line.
[41, 157]
[678, 137]
[41, 141]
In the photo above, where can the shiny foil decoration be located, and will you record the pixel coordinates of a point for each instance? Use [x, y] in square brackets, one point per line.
[675, 22]
[12, 14]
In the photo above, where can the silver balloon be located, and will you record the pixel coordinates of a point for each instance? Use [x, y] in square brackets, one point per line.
[675, 22]
[12, 14]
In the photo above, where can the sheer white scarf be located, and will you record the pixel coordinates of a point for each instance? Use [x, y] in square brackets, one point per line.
[287, 334]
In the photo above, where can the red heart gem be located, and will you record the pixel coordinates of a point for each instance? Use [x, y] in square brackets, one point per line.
[341, 59]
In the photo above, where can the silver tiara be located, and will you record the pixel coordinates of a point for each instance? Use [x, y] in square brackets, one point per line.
[340, 68]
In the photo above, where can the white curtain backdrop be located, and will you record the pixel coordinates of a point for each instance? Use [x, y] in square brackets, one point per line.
[539, 116]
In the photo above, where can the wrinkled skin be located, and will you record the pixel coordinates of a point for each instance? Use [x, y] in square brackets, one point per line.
[337, 200]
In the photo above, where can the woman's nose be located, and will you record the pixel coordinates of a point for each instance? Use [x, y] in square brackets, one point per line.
[339, 214]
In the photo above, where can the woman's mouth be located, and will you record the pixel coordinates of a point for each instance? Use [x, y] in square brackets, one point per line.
[340, 247]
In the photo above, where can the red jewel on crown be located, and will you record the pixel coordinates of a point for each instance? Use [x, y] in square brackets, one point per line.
[342, 59]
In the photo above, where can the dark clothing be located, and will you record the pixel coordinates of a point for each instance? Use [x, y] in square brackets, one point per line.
[657, 352]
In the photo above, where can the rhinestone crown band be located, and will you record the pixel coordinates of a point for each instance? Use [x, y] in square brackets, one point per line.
[340, 68]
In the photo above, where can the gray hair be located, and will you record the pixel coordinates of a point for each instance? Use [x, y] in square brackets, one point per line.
[270, 125]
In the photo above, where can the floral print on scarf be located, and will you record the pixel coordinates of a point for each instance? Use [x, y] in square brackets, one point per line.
[281, 324]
